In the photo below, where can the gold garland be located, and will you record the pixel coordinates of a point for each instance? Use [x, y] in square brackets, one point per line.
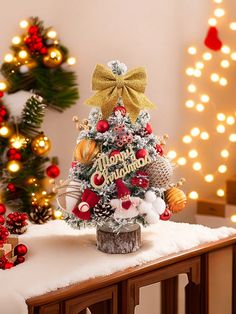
[110, 87]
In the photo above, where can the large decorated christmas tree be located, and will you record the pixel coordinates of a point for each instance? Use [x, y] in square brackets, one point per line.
[120, 175]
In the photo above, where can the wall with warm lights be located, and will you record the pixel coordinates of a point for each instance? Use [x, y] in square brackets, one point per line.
[167, 38]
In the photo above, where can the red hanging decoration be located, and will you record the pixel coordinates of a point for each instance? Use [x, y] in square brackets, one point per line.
[53, 171]
[212, 40]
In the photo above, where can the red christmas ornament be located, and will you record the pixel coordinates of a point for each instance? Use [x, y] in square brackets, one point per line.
[140, 180]
[20, 250]
[141, 153]
[102, 126]
[2, 220]
[14, 154]
[114, 152]
[33, 30]
[120, 109]
[3, 235]
[1, 94]
[43, 51]
[11, 187]
[159, 150]
[2, 209]
[148, 128]
[3, 112]
[19, 260]
[212, 40]
[53, 171]
[98, 180]
[166, 215]
[8, 265]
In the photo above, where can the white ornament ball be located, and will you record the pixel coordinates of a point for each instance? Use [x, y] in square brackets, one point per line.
[159, 205]
[152, 218]
[150, 196]
[83, 207]
[24, 69]
[145, 207]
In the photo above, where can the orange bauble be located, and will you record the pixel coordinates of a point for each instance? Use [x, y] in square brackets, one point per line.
[85, 151]
[176, 199]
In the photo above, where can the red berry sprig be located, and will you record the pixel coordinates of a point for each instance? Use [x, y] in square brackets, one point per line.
[3, 235]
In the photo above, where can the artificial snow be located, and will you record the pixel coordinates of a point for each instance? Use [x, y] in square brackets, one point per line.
[59, 256]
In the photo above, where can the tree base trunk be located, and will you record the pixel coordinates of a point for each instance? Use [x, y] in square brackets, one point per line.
[128, 240]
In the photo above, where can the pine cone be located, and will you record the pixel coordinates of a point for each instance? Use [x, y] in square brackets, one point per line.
[16, 222]
[40, 214]
[103, 210]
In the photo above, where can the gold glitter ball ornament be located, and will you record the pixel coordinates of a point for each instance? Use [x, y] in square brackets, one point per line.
[85, 151]
[176, 199]
[159, 172]
[41, 144]
[53, 58]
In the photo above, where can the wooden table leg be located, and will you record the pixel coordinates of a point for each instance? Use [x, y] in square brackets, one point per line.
[169, 296]
[204, 284]
[234, 281]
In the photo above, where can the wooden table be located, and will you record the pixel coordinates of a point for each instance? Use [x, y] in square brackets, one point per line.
[119, 292]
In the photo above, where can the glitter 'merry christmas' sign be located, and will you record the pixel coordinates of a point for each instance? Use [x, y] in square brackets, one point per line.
[128, 163]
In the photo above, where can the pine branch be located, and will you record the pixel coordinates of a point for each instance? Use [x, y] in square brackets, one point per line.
[32, 116]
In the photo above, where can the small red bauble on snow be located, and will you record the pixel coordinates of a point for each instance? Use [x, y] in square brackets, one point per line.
[120, 109]
[20, 250]
[19, 260]
[102, 126]
[2, 209]
[148, 128]
[98, 180]
[1, 94]
[53, 171]
[43, 51]
[2, 220]
[11, 187]
[166, 215]
[141, 153]
[8, 265]
[114, 152]
[159, 150]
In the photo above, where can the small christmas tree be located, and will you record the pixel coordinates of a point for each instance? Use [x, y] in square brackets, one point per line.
[23, 161]
[120, 175]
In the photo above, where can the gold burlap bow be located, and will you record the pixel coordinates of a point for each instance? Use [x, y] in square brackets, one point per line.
[109, 87]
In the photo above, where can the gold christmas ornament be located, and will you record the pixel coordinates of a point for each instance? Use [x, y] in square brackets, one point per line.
[160, 172]
[85, 151]
[14, 166]
[40, 144]
[110, 87]
[5, 131]
[176, 199]
[18, 141]
[53, 58]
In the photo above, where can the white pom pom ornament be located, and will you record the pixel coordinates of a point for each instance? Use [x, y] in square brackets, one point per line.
[159, 205]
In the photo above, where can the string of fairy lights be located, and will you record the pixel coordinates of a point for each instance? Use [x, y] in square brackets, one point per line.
[199, 101]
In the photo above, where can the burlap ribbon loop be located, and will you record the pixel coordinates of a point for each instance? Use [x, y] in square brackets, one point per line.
[109, 87]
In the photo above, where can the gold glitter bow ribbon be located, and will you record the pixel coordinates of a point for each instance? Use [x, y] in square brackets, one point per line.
[110, 87]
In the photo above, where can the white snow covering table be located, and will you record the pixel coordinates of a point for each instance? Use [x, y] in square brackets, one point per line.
[59, 256]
